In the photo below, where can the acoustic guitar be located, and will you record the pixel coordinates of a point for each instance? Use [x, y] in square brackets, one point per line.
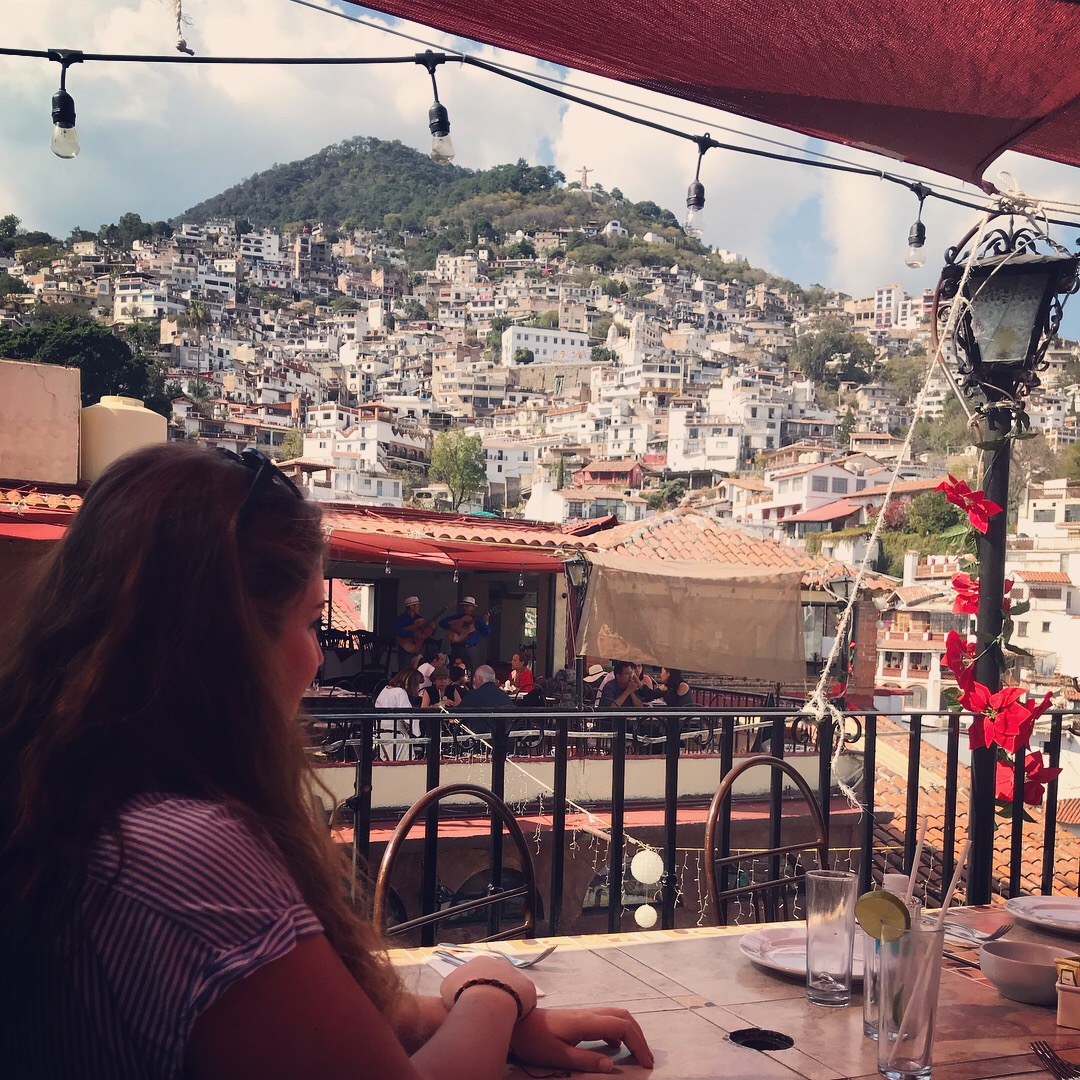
[422, 629]
[461, 627]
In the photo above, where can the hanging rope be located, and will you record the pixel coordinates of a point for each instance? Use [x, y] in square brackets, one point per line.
[181, 43]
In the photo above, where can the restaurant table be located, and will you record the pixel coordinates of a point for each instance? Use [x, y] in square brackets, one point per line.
[690, 988]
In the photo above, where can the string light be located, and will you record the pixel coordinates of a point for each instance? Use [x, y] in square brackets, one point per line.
[917, 234]
[387, 561]
[442, 149]
[65, 140]
[457, 576]
[521, 577]
[506, 73]
[695, 193]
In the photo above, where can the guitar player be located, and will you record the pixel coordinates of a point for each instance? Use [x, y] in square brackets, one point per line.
[465, 628]
[412, 631]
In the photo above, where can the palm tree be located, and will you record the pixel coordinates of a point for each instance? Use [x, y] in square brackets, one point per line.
[198, 319]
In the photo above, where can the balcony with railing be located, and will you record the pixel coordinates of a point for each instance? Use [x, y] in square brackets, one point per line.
[591, 788]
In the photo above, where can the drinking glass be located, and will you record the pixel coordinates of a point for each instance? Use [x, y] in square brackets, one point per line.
[830, 935]
[908, 994]
[872, 969]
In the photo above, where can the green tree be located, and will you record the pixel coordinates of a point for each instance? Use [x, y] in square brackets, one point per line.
[200, 393]
[522, 249]
[524, 356]
[292, 446]
[906, 373]
[458, 460]
[845, 427]
[107, 364]
[944, 434]
[11, 285]
[602, 355]
[931, 514]
[832, 354]
[9, 226]
[197, 318]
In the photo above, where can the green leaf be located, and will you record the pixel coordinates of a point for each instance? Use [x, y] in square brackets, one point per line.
[1005, 810]
[955, 532]
[1028, 817]
[993, 444]
[1015, 649]
[1020, 609]
[1027, 435]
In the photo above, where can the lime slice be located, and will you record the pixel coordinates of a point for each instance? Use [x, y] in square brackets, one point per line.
[883, 915]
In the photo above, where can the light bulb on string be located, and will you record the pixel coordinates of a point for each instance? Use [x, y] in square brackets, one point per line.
[387, 571]
[442, 148]
[65, 139]
[695, 193]
[521, 578]
[457, 576]
[916, 256]
[647, 867]
[645, 916]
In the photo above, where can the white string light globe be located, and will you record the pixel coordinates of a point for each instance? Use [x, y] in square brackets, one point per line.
[647, 867]
[645, 916]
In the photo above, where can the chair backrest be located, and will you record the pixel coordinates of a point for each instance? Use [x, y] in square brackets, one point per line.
[773, 897]
[526, 890]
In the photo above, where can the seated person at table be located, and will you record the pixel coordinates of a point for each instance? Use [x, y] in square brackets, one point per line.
[674, 689]
[401, 692]
[459, 676]
[170, 905]
[521, 678]
[440, 692]
[622, 691]
[428, 666]
[486, 695]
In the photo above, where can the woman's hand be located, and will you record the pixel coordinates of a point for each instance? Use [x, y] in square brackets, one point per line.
[489, 967]
[549, 1037]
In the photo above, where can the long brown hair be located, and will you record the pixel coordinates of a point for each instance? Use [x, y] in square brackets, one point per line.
[141, 664]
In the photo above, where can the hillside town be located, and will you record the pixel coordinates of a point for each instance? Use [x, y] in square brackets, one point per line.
[640, 393]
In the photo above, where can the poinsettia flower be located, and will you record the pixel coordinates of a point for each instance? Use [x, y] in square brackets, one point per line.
[978, 508]
[1036, 777]
[967, 594]
[998, 718]
[960, 659]
[966, 601]
[838, 690]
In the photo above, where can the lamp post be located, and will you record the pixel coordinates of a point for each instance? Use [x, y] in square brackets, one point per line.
[1009, 309]
[577, 572]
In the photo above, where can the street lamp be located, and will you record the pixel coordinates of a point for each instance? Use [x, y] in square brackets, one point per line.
[997, 324]
[843, 588]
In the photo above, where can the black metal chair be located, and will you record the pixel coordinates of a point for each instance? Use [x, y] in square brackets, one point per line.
[526, 890]
[773, 898]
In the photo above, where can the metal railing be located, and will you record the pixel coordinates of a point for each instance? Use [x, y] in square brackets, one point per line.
[560, 737]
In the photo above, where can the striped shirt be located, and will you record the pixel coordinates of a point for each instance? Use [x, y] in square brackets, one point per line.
[184, 903]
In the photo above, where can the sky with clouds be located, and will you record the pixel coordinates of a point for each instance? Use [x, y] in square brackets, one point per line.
[157, 139]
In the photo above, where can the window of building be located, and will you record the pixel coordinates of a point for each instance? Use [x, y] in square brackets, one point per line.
[1021, 629]
[1044, 515]
[819, 483]
[859, 485]
[839, 485]
[783, 486]
[1046, 628]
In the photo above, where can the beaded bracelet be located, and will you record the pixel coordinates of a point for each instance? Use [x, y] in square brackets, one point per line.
[493, 982]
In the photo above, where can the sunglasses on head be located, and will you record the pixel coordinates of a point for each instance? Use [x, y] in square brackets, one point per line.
[265, 472]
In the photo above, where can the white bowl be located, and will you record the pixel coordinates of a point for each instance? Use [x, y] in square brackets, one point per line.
[1021, 970]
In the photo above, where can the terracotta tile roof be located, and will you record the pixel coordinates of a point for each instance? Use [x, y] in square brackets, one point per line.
[917, 594]
[890, 794]
[611, 466]
[833, 511]
[903, 487]
[751, 482]
[62, 498]
[429, 524]
[1043, 577]
[1068, 811]
[688, 534]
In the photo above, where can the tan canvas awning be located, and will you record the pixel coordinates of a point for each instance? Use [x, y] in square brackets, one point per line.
[726, 620]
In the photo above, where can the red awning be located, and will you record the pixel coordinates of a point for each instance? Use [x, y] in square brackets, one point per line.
[347, 545]
[946, 86]
[30, 530]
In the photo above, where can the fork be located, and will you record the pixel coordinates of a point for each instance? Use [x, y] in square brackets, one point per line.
[980, 936]
[1055, 1064]
[460, 956]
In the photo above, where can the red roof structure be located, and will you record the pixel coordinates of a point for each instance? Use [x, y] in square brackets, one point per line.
[946, 86]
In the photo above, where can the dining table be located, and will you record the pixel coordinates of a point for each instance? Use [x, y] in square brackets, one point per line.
[695, 989]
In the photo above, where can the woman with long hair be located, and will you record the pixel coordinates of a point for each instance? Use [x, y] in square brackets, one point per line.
[170, 904]
[675, 690]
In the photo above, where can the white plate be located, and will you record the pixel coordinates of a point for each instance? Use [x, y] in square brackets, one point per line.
[1061, 914]
[783, 949]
